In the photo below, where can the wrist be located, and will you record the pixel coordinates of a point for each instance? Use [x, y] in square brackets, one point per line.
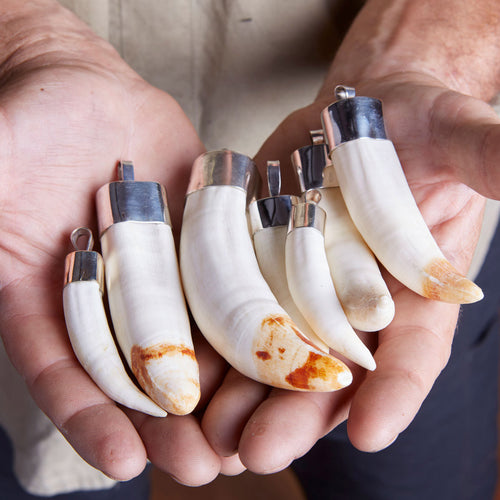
[42, 33]
[454, 43]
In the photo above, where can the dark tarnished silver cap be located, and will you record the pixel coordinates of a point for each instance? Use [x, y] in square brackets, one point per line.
[310, 161]
[225, 168]
[352, 117]
[307, 213]
[275, 210]
[84, 265]
[131, 200]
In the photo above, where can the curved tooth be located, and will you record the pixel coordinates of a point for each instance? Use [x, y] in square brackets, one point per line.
[381, 204]
[149, 313]
[391, 223]
[230, 300]
[269, 246]
[312, 288]
[91, 337]
[355, 272]
[356, 276]
[144, 291]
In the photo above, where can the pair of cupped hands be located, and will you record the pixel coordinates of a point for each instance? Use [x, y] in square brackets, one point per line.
[70, 108]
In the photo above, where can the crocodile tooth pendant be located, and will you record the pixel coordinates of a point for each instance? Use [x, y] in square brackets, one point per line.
[88, 329]
[358, 282]
[381, 203]
[144, 290]
[230, 300]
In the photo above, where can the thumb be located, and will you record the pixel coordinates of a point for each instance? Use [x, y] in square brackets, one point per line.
[466, 138]
[291, 134]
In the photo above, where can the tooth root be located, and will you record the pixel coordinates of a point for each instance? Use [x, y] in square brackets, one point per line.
[230, 300]
[94, 347]
[269, 246]
[358, 282]
[443, 282]
[383, 209]
[149, 313]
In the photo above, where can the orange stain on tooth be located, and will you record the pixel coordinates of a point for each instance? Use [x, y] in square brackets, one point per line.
[443, 282]
[285, 358]
[158, 390]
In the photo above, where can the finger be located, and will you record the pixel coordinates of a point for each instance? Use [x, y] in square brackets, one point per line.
[37, 345]
[466, 137]
[287, 424]
[232, 466]
[412, 351]
[213, 368]
[458, 135]
[230, 409]
[177, 446]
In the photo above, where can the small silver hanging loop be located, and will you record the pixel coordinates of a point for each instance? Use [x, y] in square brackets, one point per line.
[82, 232]
[344, 92]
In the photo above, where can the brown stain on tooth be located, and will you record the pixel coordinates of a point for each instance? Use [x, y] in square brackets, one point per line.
[315, 367]
[264, 355]
[285, 358]
[169, 398]
[444, 283]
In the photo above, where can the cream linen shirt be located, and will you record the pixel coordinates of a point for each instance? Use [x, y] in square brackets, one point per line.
[237, 68]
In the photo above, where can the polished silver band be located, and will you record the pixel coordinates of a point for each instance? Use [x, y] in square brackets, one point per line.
[123, 201]
[352, 118]
[225, 168]
[307, 214]
[84, 265]
[309, 163]
[271, 212]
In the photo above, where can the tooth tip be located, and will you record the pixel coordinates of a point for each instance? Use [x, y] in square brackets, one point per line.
[371, 314]
[443, 282]
[169, 375]
[285, 358]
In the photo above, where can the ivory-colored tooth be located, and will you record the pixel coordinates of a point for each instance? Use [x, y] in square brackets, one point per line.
[312, 288]
[356, 276]
[145, 294]
[229, 299]
[269, 224]
[269, 246]
[382, 206]
[90, 335]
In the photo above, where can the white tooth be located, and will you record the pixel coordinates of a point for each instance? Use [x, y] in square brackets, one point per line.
[382, 206]
[149, 313]
[312, 290]
[230, 300]
[88, 329]
[360, 287]
[94, 347]
[269, 246]
[356, 276]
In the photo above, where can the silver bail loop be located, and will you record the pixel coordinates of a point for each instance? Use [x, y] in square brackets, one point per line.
[344, 92]
[274, 177]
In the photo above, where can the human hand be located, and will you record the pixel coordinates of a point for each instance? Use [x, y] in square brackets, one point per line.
[70, 109]
[441, 135]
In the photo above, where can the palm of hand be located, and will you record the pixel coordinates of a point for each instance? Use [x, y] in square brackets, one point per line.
[423, 119]
[64, 127]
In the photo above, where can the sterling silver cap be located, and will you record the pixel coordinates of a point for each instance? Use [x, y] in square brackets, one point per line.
[352, 117]
[310, 162]
[275, 210]
[307, 213]
[225, 168]
[131, 200]
[84, 265]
